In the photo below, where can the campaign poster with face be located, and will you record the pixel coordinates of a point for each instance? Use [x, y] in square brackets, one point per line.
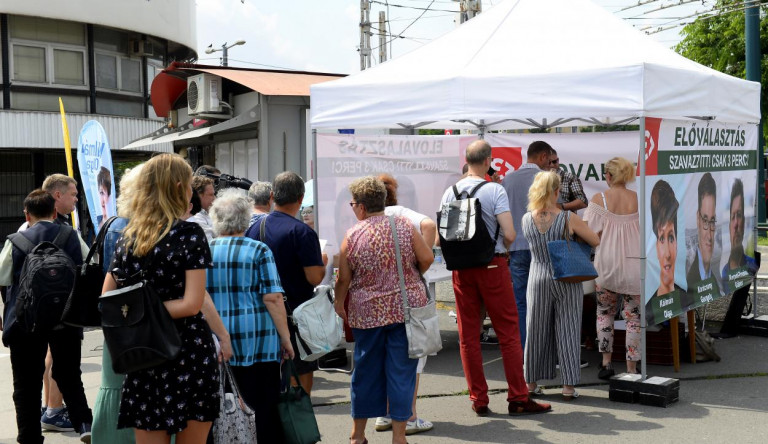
[94, 159]
[702, 182]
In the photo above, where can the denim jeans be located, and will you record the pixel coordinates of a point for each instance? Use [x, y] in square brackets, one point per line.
[519, 266]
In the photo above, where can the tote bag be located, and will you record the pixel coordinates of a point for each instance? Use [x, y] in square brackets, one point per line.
[421, 323]
[295, 409]
[570, 259]
[236, 422]
[318, 325]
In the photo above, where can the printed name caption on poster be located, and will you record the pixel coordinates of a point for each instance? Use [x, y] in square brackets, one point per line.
[92, 153]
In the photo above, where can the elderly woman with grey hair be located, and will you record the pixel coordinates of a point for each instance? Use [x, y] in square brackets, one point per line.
[246, 290]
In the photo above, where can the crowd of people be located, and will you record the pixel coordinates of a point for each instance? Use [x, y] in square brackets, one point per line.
[230, 268]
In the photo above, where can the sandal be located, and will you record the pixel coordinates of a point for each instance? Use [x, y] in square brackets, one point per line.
[538, 391]
[570, 396]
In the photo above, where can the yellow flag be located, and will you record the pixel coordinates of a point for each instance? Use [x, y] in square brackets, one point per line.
[67, 150]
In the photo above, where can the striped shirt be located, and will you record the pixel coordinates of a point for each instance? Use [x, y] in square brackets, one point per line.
[243, 272]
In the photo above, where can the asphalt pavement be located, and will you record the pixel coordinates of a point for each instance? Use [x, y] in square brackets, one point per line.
[719, 401]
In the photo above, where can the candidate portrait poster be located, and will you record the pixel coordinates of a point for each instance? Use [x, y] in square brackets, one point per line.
[94, 159]
[701, 182]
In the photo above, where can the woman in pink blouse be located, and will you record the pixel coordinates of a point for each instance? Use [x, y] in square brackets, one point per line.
[613, 215]
[368, 276]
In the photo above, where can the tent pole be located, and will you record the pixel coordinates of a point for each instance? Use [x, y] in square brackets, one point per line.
[641, 208]
[315, 206]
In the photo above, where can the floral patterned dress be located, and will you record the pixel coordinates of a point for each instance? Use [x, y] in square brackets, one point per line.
[165, 397]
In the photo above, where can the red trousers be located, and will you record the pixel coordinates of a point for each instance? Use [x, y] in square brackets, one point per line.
[492, 286]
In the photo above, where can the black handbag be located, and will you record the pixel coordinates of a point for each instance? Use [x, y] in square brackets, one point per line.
[82, 309]
[138, 329]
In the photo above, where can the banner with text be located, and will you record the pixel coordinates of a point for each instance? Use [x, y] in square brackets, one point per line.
[583, 154]
[702, 182]
[94, 159]
[424, 167]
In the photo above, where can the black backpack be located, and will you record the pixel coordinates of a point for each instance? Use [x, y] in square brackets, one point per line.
[46, 280]
[464, 238]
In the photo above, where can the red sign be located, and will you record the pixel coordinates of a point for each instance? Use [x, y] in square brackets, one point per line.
[448, 132]
[506, 159]
[651, 146]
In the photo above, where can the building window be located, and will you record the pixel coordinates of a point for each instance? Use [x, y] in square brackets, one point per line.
[47, 51]
[68, 67]
[29, 63]
[106, 71]
[119, 107]
[48, 102]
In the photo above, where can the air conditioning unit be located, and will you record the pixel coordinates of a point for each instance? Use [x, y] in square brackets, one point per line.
[141, 48]
[203, 92]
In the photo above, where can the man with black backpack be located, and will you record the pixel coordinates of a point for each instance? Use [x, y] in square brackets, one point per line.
[39, 265]
[474, 231]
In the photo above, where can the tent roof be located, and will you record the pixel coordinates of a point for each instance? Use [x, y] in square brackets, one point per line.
[545, 60]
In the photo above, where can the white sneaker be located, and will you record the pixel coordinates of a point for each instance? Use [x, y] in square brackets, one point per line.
[417, 426]
[383, 423]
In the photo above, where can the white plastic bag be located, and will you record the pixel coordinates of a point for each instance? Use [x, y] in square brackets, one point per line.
[318, 325]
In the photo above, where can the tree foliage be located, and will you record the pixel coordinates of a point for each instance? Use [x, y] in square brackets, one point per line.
[718, 41]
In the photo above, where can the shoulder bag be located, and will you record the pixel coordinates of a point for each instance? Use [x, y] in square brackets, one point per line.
[421, 323]
[138, 329]
[570, 259]
[237, 421]
[82, 309]
[317, 324]
[295, 409]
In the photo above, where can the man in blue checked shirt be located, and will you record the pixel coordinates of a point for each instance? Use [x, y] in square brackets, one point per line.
[245, 287]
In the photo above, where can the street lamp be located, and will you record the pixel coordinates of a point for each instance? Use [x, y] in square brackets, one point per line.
[224, 49]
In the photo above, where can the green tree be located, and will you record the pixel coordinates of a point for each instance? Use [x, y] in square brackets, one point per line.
[717, 41]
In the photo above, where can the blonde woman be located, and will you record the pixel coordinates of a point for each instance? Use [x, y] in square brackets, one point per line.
[180, 396]
[613, 215]
[553, 320]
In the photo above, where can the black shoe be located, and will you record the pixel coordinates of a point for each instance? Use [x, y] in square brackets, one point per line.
[605, 372]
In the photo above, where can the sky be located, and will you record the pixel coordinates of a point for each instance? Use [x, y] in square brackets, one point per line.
[324, 35]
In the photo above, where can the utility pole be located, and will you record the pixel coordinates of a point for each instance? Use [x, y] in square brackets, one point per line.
[468, 9]
[382, 38]
[752, 55]
[365, 34]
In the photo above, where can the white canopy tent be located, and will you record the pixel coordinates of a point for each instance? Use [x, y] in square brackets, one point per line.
[539, 63]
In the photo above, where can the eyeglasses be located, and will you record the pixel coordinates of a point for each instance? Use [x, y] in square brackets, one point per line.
[554, 161]
[709, 224]
[352, 204]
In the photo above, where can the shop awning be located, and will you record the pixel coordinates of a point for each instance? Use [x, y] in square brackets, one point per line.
[171, 83]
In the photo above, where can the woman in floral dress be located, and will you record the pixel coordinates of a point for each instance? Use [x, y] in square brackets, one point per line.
[181, 395]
